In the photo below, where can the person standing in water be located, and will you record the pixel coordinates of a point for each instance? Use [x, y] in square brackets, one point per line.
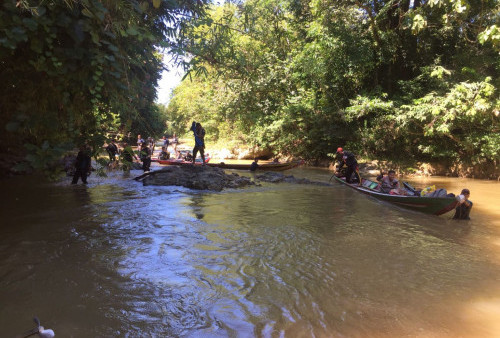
[464, 207]
[82, 165]
[112, 150]
[255, 164]
[145, 157]
[127, 157]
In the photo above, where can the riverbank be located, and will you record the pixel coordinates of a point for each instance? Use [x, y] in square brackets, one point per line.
[225, 151]
[368, 167]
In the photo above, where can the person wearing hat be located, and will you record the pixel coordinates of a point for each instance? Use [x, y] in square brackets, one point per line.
[348, 159]
[462, 211]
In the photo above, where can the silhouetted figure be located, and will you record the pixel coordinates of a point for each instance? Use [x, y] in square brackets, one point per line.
[82, 165]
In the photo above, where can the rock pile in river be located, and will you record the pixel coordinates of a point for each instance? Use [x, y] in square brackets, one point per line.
[195, 177]
[210, 178]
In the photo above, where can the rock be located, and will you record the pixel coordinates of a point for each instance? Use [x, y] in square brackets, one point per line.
[195, 177]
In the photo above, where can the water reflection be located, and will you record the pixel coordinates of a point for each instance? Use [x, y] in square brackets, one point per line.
[262, 261]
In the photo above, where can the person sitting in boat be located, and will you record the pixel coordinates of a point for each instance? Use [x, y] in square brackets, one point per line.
[388, 182]
[254, 165]
[462, 211]
[164, 155]
[349, 160]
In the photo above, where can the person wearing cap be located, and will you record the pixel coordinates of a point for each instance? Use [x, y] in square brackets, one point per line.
[462, 211]
[349, 160]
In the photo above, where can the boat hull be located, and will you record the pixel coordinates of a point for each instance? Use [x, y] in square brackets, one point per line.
[428, 205]
[261, 167]
[180, 162]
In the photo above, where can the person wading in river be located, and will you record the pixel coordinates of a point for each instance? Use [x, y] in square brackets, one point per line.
[199, 141]
[127, 156]
[112, 150]
[82, 165]
[462, 211]
[145, 157]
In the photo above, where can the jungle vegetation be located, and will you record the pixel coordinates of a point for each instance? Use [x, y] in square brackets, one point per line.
[83, 71]
[403, 80]
[395, 80]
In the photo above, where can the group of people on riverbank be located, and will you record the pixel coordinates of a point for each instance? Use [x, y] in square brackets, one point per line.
[388, 184]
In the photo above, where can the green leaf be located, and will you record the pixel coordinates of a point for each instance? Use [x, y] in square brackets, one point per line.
[132, 31]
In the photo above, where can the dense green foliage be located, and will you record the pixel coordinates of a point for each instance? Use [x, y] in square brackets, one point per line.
[77, 71]
[398, 79]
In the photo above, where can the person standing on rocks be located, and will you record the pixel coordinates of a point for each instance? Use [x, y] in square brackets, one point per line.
[199, 141]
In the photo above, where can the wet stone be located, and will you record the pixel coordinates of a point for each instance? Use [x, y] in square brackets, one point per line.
[196, 177]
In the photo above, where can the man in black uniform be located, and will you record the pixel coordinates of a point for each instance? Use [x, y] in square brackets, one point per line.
[254, 165]
[112, 150]
[82, 165]
[145, 157]
[352, 165]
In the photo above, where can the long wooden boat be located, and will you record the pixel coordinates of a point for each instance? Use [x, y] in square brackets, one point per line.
[261, 167]
[428, 205]
[182, 162]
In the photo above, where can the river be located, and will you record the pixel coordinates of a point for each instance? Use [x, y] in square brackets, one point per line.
[115, 258]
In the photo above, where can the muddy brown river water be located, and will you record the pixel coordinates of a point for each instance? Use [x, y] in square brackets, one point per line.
[116, 259]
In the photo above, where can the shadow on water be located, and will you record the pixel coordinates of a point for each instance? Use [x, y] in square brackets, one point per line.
[261, 261]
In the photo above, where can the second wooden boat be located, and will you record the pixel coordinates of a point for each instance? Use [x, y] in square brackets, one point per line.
[428, 205]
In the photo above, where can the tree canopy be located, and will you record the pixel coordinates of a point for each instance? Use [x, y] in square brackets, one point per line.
[405, 80]
[400, 80]
[75, 71]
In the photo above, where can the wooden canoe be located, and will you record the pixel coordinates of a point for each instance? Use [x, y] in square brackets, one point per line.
[181, 162]
[428, 205]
